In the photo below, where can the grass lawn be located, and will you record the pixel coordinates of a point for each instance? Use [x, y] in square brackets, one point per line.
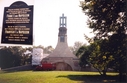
[56, 77]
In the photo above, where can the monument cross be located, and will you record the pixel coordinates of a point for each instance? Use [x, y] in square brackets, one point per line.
[63, 21]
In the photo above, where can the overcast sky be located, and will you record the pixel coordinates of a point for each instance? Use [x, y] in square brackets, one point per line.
[46, 20]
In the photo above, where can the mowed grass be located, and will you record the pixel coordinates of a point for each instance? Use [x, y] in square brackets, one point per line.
[55, 77]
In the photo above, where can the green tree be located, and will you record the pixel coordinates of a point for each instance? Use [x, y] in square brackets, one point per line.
[5, 58]
[117, 48]
[75, 47]
[40, 46]
[83, 54]
[27, 55]
[26, 59]
[29, 48]
[100, 57]
[96, 54]
[48, 49]
[107, 18]
[10, 56]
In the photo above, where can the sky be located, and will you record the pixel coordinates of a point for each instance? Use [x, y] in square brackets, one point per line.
[46, 20]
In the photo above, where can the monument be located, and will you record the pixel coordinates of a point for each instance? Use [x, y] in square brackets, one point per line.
[62, 57]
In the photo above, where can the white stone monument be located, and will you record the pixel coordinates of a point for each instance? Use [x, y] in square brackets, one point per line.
[62, 56]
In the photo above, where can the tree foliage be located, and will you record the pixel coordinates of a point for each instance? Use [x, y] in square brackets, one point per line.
[10, 56]
[96, 55]
[83, 54]
[48, 50]
[75, 47]
[100, 57]
[107, 18]
[117, 48]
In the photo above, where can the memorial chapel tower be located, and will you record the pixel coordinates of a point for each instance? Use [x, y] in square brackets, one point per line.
[62, 36]
[62, 56]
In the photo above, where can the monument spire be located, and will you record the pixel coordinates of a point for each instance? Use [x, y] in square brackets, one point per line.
[62, 36]
[63, 21]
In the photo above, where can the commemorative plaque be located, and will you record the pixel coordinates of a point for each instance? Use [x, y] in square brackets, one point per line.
[18, 24]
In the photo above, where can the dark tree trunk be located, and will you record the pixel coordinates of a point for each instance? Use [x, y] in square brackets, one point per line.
[104, 73]
[121, 74]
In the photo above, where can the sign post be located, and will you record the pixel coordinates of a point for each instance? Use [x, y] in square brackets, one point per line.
[18, 24]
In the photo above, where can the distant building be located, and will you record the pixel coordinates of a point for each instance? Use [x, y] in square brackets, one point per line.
[62, 56]
[37, 56]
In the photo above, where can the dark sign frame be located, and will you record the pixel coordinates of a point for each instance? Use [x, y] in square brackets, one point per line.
[18, 24]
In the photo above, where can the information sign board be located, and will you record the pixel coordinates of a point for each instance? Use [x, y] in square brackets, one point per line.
[18, 24]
